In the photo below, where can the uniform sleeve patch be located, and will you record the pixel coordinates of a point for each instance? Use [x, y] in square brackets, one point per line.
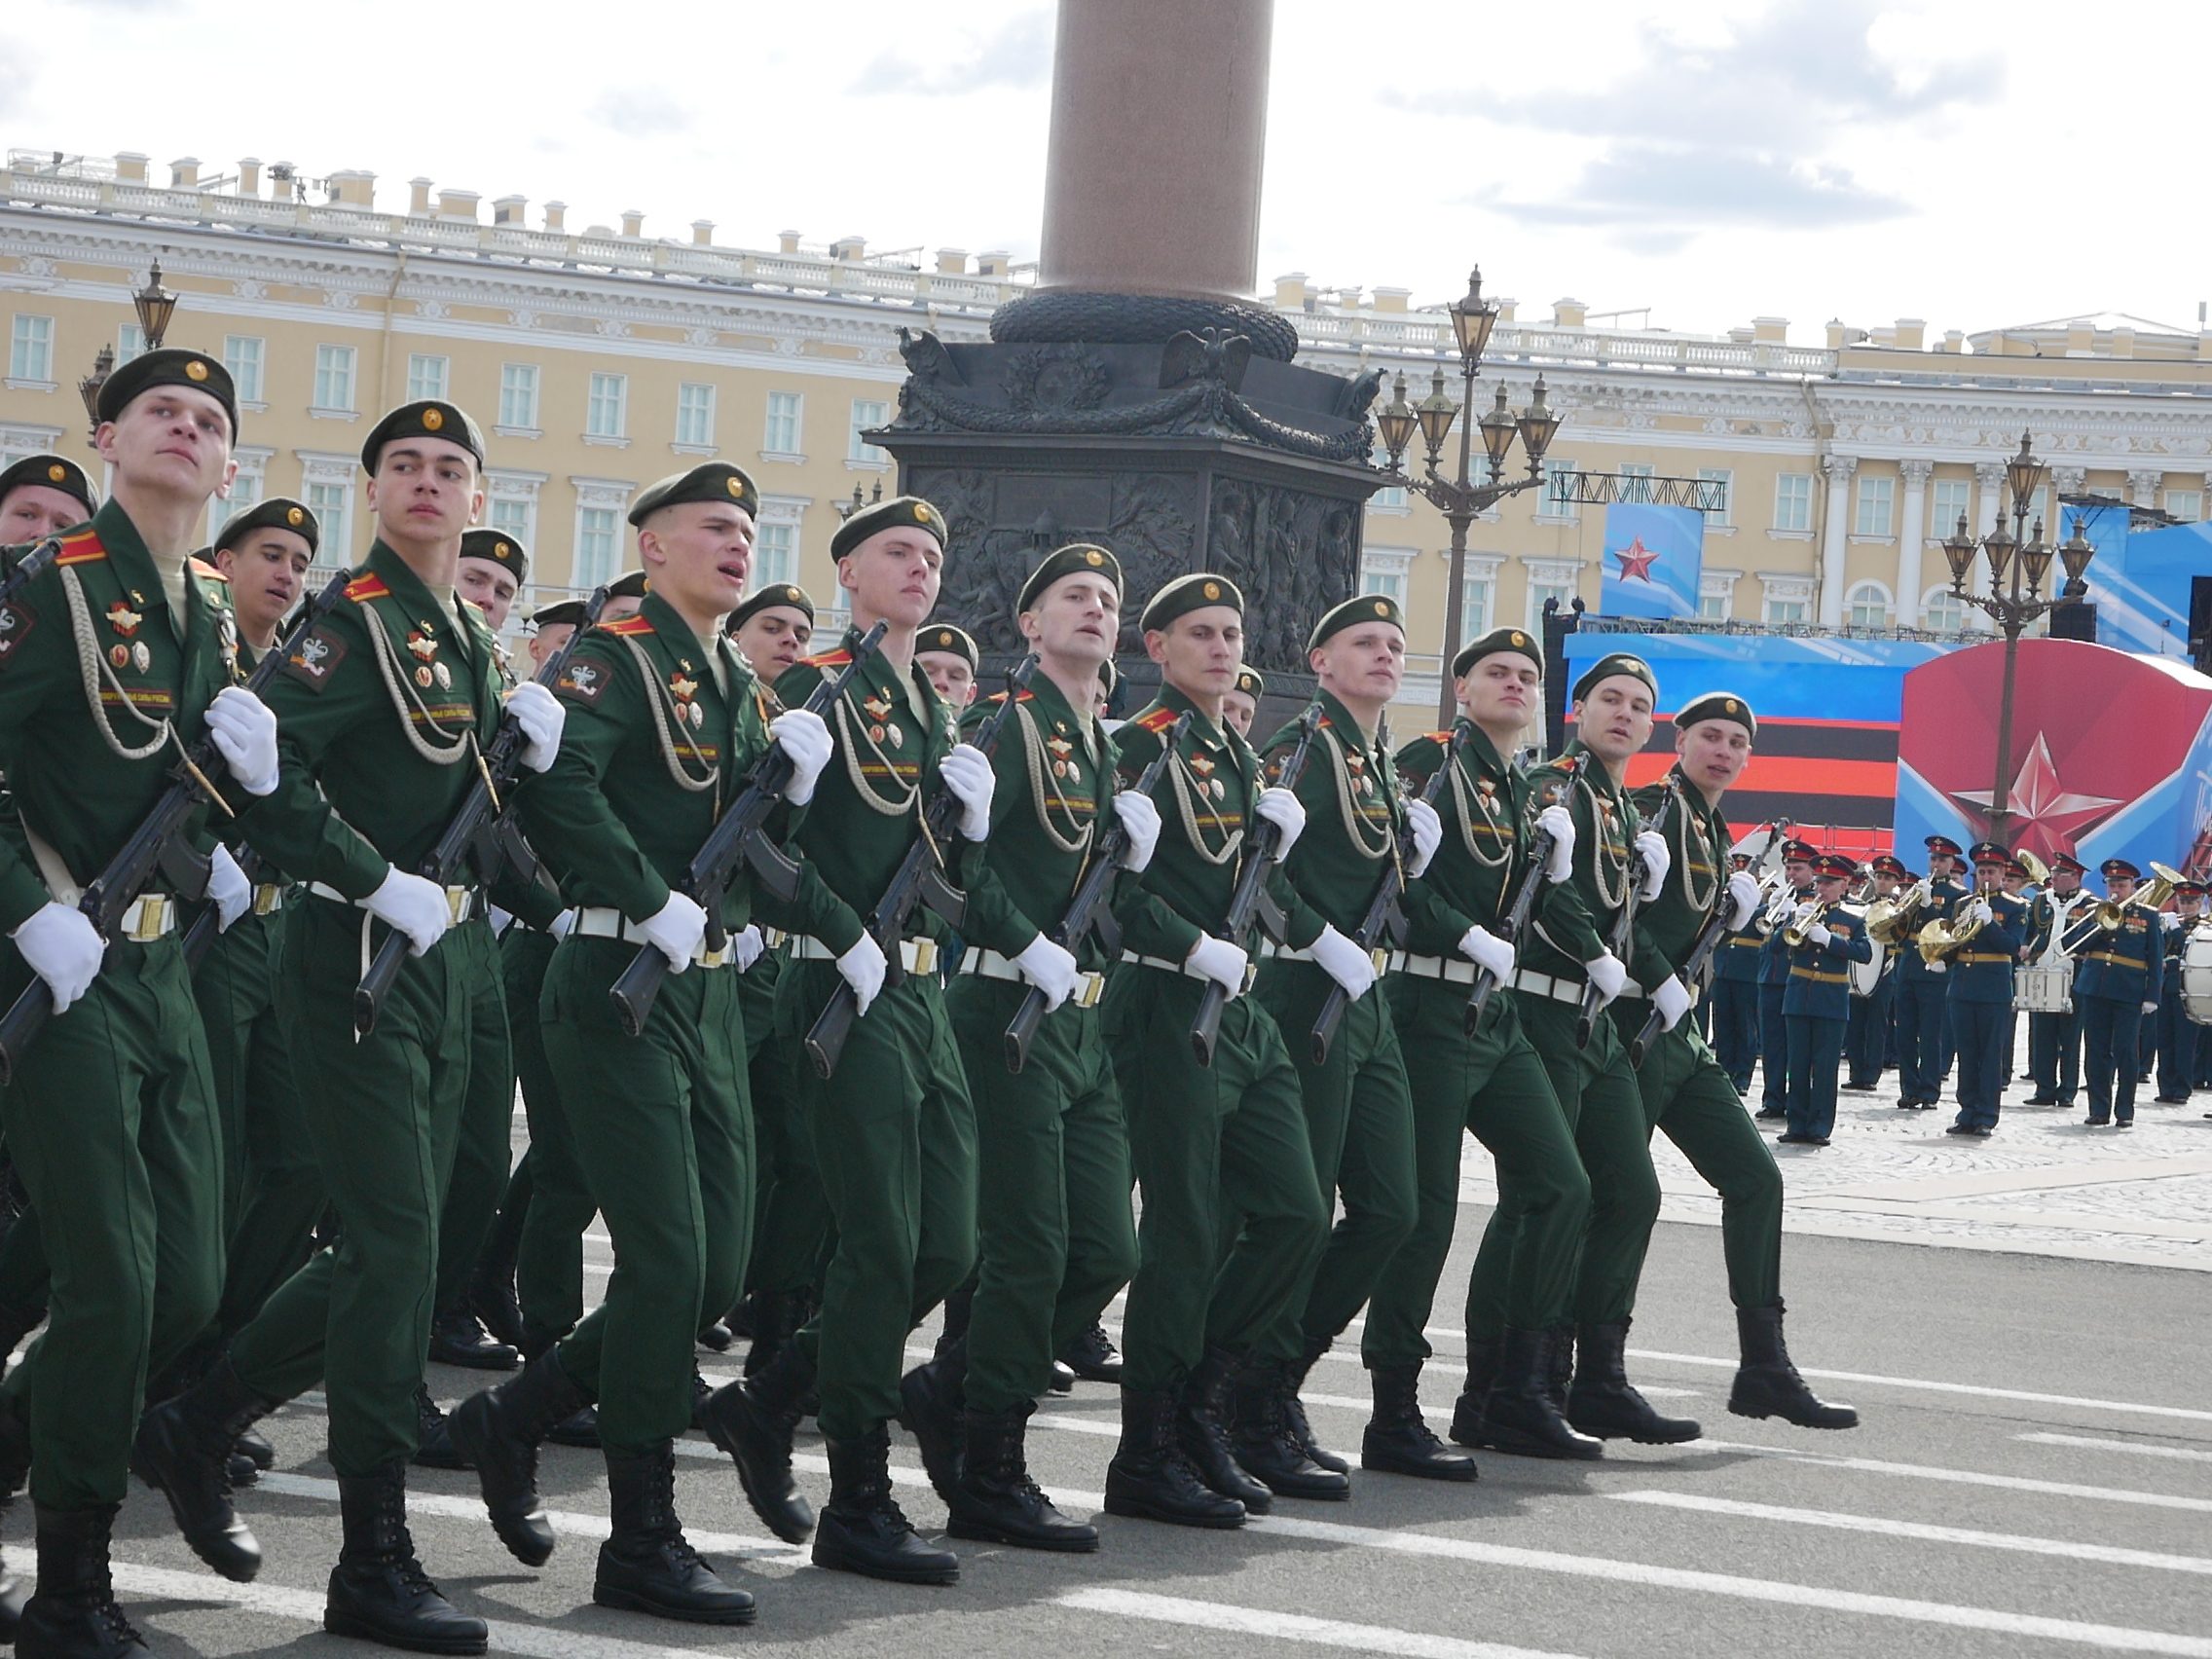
[582, 680]
[315, 658]
[17, 620]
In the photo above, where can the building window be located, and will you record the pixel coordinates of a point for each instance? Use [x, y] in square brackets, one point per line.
[1548, 582]
[867, 414]
[518, 396]
[1952, 501]
[130, 342]
[775, 555]
[241, 355]
[513, 515]
[246, 493]
[30, 349]
[1942, 612]
[334, 376]
[1712, 606]
[1781, 610]
[1391, 499]
[427, 376]
[1726, 478]
[1877, 506]
[2186, 505]
[329, 503]
[1635, 482]
[780, 433]
[1555, 495]
[1716, 595]
[1867, 605]
[695, 415]
[599, 545]
[1794, 503]
[1382, 571]
[605, 412]
[1478, 601]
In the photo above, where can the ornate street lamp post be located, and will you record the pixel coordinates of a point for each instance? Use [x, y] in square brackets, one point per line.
[154, 306]
[1460, 498]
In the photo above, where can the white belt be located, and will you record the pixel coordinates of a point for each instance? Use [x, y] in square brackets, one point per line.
[1452, 970]
[268, 898]
[460, 901]
[604, 921]
[1544, 985]
[1381, 956]
[1183, 967]
[990, 965]
[146, 918]
[916, 955]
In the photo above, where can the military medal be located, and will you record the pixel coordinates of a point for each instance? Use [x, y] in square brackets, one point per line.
[876, 734]
[443, 675]
[1075, 773]
[423, 677]
[120, 655]
[898, 737]
[425, 648]
[122, 619]
[1220, 789]
[140, 657]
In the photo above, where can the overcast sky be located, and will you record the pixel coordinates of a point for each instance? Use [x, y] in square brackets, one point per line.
[1970, 163]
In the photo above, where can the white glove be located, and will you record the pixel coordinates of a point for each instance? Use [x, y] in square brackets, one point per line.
[1218, 960]
[1672, 998]
[1050, 968]
[967, 773]
[746, 946]
[2148, 1008]
[1281, 808]
[1140, 818]
[1344, 962]
[1657, 860]
[228, 889]
[561, 926]
[1607, 973]
[500, 920]
[244, 729]
[1805, 911]
[1558, 824]
[1979, 911]
[805, 738]
[1818, 933]
[63, 948]
[1743, 901]
[413, 906]
[862, 968]
[1490, 952]
[1428, 834]
[541, 716]
[677, 929]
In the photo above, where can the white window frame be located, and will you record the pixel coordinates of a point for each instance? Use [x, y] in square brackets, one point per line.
[1549, 510]
[1549, 578]
[695, 402]
[1786, 589]
[129, 342]
[1721, 585]
[334, 367]
[247, 489]
[1787, 497]
[246, 357]
[596, 496]
[327, 489]
[1723, 522]
[510, 503]
[2187, 506]
[1953, 609]
[607, 408]
[861, 455]
[1636, 487]
[1872, 594]
[423, 382]
[520, 384]
[1478, 600]
[1955, 494]
[1874, 513]
[30, 354]
[772, 418]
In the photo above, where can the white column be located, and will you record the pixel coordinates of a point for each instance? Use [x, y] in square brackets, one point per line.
[1989, 506]
[1836, 541]
[1909, 537]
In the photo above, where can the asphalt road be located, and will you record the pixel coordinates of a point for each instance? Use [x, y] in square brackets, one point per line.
[2033, 1475]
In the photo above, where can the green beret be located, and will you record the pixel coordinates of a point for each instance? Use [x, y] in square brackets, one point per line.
[788, 595]
[51, 473]
[498, 548]
[1076, 559]
[1718, 706]
[1361, 608]
[1185, 594]
[431, 418]
[899, 512]
[278, 512]
[569, 611]
[945, 636]
[1612, 663]
[1497, 641]
[709, 481]
[631, 584]
[172, 365]
[1251, 683]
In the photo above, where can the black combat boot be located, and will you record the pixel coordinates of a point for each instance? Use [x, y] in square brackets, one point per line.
[1264, 1444]
[752, 1421]
[1767, 1383]
[492, 1290]
[1398, 1440]
[499, 1431]
[996, 1500]
[73, 1615]
[183, 1451]
[1467, 1411]
[928, 1409]
[1604, 1402]
[433, 1435]
[580, 1430]
[1558, 1365]
[1092, 1356]
[457, 1339]
[378, 1591]
[1520, 1416]
[1202, 1430]
[253, 1446]
[864, 1530]
[1151, 1478]
[647, 1565]
[1294, 1412]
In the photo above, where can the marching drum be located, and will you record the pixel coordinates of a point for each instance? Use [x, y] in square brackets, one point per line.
[1866, 976]
[2048, 986]
[2196, 976]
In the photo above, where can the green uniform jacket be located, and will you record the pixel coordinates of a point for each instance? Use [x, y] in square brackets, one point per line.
[1052, 765]
[1353, 812]
[1696, 880]
[1578, 913]
[1204, 803]
[1488, 809]
[72, 788]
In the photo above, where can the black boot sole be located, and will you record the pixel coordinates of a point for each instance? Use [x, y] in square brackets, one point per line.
[1638, 1437]
[1419, 1469]
[1771, 1410]
[630, 1601]
[1514, 1444]
[983, 1532]
[385, 1635]
[1138, 1509]
[836, 1559]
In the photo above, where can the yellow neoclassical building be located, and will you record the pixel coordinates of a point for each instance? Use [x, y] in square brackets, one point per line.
[600, 358]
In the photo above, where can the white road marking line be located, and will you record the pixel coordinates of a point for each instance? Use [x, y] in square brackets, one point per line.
[1287, 1626]
[2024, 1395]
[2183, 1453]
[2069, 1549]
[1963, 1477]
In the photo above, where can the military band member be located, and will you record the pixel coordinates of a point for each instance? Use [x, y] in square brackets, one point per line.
[1736, 995]
[1240, 707]
[2178, 1034]
[1491, 1084]
[43, 496]
[2054, 1040]
[666, 720]
[1924, 1044]
[1797, 857]
[2116, 986]
[1980, 995]
[1817, 1004]
[1866, 1034]
[109, 658]
[947, 655]
[1220, 1151]
[385, 706]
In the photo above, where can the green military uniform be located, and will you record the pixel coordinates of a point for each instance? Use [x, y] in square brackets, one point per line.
[791, 1232]
[111, 1119]
[554, 1198]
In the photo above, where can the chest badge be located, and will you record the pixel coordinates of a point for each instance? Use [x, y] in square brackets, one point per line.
[684, 690]
[122, 619]
[424, 646]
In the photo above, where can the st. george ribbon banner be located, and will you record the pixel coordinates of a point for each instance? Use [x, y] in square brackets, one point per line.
[1653, 558]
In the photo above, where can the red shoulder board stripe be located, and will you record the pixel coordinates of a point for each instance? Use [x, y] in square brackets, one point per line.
[1437, 737]
[82, 548]
[201, 568]
[627, 625]
[1027, 696]
[361, 589]
[827, 659]
[1158, 722]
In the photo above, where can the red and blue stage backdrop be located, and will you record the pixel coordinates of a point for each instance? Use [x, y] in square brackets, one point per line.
[1655, 560]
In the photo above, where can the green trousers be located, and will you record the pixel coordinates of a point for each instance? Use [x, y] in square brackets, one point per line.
[550, 1257]
[791, 1215]
[384, 1114]
[665, 1135]
[1491, 1084]
[1221, 1153]
[1054, 1233]
[894, 1138]
[26, 1278]
[1688, 1098]
[111, 1120]
[1596, 1089]
[1359, 1125]
[486, 1122]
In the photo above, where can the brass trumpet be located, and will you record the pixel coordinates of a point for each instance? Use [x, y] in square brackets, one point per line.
[1794, 936]
[2107, 914]
[1940, 940]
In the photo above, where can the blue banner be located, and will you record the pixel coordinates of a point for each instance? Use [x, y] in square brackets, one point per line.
[2141, 583]
[1653, 559]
